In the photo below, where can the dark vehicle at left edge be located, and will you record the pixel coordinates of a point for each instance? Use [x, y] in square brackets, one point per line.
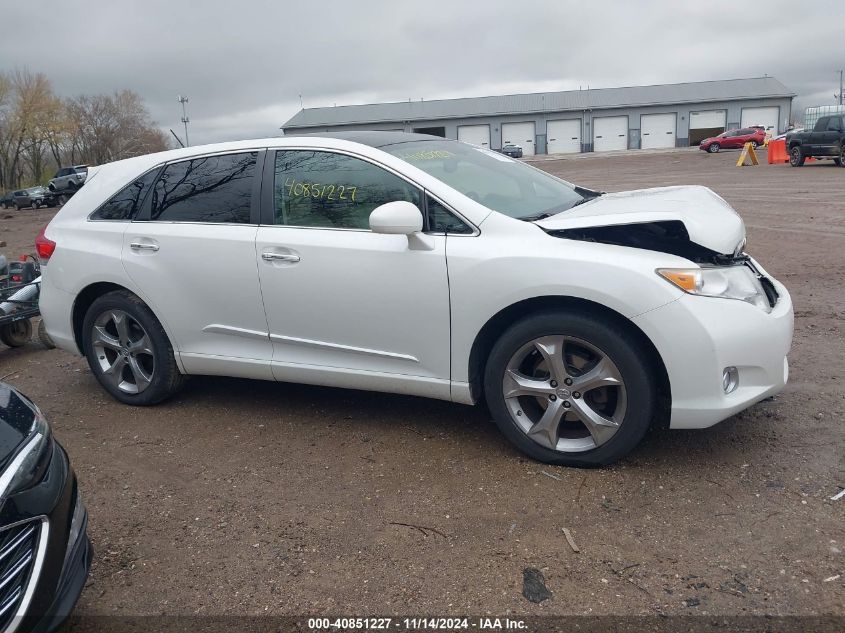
[35, 197]
[45, 553]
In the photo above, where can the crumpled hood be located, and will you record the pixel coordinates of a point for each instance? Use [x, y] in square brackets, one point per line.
[710, 221]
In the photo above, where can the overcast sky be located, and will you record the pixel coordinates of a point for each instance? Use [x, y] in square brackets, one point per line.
[244, 63]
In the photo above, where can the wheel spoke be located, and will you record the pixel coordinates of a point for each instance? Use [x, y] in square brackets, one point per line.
[142, 346]
[121, 322]
[515, 385]
[545, 430]
[551, 348]
[103, 338]
[603, 374]
[600, 427]
[142, 378]
[114, 373]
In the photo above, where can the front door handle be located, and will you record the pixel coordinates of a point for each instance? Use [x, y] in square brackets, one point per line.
[143, 246]
[269, 256]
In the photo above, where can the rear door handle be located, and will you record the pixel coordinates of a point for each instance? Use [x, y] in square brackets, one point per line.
[143, 246]
[269, 256]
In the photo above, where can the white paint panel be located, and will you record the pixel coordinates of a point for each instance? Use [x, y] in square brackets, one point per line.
[658, 130]
[767, 116]
[475, 134]
[610, 133]
[707, 119]
[563, 136]
[521, 134]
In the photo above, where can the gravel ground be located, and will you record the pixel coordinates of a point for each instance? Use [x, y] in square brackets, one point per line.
[249, 498]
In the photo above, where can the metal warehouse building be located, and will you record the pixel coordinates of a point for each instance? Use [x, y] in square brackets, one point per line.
[668, 115]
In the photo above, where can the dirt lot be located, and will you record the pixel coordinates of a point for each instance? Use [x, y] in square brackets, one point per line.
[251, 498]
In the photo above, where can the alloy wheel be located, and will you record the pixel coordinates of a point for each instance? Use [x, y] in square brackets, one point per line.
[124, 351]
[564, 393]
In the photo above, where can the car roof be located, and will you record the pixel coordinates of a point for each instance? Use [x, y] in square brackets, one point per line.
[375, 138]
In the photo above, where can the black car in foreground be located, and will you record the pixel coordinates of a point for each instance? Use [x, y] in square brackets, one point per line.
[45, 553]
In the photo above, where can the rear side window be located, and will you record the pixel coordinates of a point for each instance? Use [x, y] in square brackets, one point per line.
[835, 124]
[216, 189]
[125, 204]
[328, 190]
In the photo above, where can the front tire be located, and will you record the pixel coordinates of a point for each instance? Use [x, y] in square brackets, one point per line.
[128, 350]
[796, 157]
[571, 389]
[45, 339]
[714, 148]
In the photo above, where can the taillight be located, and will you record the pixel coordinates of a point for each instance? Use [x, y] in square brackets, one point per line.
[44, 247]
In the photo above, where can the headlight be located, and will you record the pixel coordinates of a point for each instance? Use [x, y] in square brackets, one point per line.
[728, 282]
[28, 466]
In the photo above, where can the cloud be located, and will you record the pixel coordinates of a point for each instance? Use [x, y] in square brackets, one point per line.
[244, 64]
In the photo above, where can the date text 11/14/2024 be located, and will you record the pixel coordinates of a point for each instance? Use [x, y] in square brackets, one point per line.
[417, 624]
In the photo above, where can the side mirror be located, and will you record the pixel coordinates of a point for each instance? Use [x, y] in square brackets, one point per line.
[396, 218]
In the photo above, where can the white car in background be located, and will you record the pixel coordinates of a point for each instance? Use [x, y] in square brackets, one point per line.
[412, 264]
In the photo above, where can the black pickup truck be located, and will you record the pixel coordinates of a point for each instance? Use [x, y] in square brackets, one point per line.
[827, 140]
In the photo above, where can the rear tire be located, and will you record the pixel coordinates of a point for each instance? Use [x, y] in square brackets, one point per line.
[17, 333]
[595, 426]
[796, 157]
[714, 148]
[128, 350]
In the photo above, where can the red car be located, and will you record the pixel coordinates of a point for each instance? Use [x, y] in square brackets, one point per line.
[734, 139]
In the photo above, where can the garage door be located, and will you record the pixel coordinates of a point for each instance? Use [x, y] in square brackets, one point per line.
[762, 116]
[564, 136]
[658, 130]
[706, 123]
[521, 134]
[475, 134]
[609, 133]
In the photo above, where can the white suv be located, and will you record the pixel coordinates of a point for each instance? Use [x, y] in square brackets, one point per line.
[417, 265]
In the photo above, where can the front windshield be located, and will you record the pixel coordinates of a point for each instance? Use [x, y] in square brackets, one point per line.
[496, 181]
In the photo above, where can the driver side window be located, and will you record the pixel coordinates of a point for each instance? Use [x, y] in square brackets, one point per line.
[328, 190]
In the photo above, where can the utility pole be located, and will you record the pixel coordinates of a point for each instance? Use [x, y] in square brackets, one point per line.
[840, 87]
[183, 100]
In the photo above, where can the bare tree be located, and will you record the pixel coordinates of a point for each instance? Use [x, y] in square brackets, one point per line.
[40, 132]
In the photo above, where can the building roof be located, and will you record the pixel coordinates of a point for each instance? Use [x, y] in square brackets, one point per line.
[633, 96]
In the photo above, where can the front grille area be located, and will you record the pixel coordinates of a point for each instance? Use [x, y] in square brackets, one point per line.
[18, 547]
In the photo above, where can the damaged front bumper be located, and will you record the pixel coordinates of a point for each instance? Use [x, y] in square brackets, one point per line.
[699, 338]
